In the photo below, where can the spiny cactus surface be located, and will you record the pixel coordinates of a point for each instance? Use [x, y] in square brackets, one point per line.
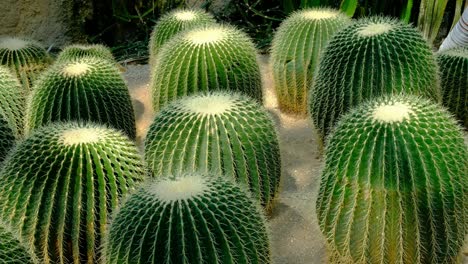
[7, 138]
[190, 218]
[229, 134]
[453, 66]
[25, 57]
[174, 22]
[296, 49]
[73, 52]
[61, 184]
[374, 56]
[12, 101]
[395, 184]
[13, 250]
[87, 89]
[210, 58]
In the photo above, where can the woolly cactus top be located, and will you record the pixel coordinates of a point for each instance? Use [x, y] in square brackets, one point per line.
[319, 14]
[392, 112]
[13, 250]
[76, 69]
[12, 101]
[188, 218]
[210, 104]
[77, 51]
[12, 44]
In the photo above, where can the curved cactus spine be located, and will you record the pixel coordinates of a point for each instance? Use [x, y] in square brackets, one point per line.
[296, 49]
[395, 184]
[209, 58]
[12, 101]
[219, 132]
[453, 65]
[189, 218]
[25, 57]
[74, 52]
[7, 138]
[174, 22]
[87, 89]
[13, 250]
[60, 185]
[372, 57]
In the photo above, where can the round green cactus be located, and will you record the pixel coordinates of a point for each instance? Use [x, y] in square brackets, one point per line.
[395, 184]
[454, 81]
[174, 22]
[12, 101]
[206, 59]
[229, 134]
[189, 218]
[61, 184]
[7, 138]
[372, 57]
[13, 250]
[74, 52]
[87, 89]
[296, 49]
[26, 57]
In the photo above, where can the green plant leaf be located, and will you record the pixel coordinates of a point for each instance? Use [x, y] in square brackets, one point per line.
[406, 13]
[458, 12]
[349, 7]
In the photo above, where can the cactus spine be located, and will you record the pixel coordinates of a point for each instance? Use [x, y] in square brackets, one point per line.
[296, 49]
[87, 89]
[25, 57]
[206, 59]
[74, 52]
[12, 101]
[395, 184]
[174, 22]
[228, 134]
[13, 250]
[190, 218]
[372, 57]
[453, 65]
[61, 184]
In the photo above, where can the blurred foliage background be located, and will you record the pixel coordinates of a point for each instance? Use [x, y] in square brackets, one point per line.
[125, 25]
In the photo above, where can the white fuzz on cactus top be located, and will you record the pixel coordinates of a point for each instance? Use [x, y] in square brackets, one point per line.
[185, 15]
[396, 112]
[319, 14]
[211, 105]
[181, 188]
[375, 29]
[204, 36]
[13, 43]
[76, 69]
[80, 135]
[456, 53]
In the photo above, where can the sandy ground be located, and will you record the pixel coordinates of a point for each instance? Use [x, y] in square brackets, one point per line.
[295, 234]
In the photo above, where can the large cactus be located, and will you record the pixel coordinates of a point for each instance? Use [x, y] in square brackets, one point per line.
[205, 59]
[454, 81]
[12, 101]
[395, 184]
[296, 49]
[372, 57]
[188, 218]
[174, 22]
[60, 185]
[86, 89]
[13, 250]
[25, 57]
[229, 134]
[76, 51]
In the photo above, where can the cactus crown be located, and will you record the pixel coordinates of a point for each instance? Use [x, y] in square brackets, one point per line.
[77, 51]
[206, 35]
[13, 44]
[65, 180]
[210, 104]
[188, 218]
[13, 250]
[85, 89]
[394, 184]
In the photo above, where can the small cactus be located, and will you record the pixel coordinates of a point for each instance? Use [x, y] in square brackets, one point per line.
[374, 56]
[174, 22]
[191, 218]
[74, 52]
[453, 65]
[395, 184]
[206, 59]
[60, 185]
[229, 134]
[87, 89]
[13, 250]
[25, 57]
[12, 101]
[296, 49]
[7, 138]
